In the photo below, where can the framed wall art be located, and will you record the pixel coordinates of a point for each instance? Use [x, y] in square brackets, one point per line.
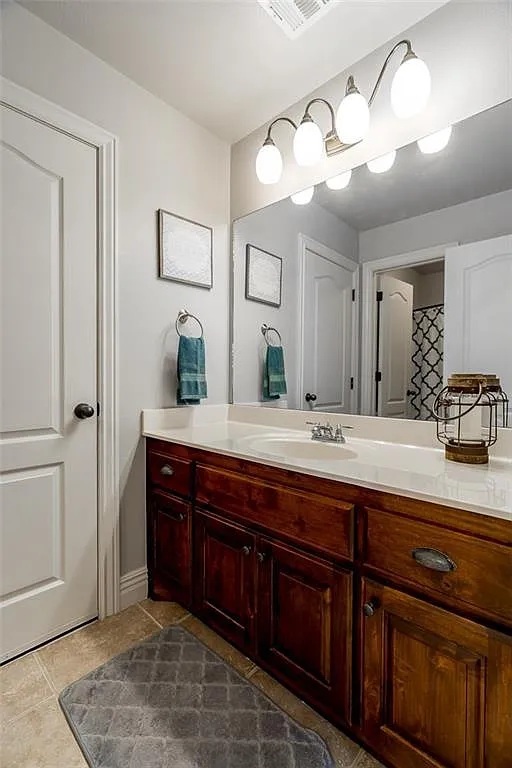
[263, 276]
[185, 250]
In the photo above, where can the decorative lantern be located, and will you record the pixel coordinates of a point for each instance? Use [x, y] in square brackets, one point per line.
[468, 412]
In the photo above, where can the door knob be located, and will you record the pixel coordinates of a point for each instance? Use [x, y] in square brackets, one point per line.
[246, 550]
[83, 411]
[370, 607]
[260, 556]
[310, 397]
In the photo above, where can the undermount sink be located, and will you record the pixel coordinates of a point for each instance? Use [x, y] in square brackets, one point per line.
[301, 448]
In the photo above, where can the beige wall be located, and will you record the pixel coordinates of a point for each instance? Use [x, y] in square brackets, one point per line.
[165, 161]
[467, 47]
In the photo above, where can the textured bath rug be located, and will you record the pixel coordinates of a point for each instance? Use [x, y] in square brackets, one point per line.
[172, 703]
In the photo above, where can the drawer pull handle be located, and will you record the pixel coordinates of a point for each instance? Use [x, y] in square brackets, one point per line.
[246, 550]
[167, 470]
[433, 559]
[370, 607]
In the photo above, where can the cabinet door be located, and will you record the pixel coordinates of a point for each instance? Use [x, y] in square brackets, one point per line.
[224, 578]
[304, 625]
[169, 544]
[437, 689]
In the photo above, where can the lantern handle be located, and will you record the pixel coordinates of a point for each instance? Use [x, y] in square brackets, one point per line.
[435, 406]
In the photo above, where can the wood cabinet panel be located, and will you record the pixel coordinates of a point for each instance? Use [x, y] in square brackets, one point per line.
[482, 575]
[224, 578]
[429, 696]
[304, 625]
[169, 472]
[305, 518]
[169, 558]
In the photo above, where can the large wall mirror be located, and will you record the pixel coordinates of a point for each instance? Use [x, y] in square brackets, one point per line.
[390, 278]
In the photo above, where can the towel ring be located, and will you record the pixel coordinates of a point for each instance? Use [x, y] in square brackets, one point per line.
[182, 318]
[267, 329]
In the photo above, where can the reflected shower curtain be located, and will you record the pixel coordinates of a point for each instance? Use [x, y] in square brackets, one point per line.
[427, 359]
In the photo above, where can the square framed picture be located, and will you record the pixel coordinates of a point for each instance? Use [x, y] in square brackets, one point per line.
[185, 250]
[263, 276]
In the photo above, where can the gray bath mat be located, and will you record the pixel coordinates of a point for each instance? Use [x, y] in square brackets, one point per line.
[172, 703]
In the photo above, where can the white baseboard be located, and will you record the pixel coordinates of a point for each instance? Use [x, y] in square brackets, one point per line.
[134, 587]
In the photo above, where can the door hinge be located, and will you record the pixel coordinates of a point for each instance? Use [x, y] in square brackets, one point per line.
[380, 295]
[351, 382]
[378, 376]
[353, 294]
[97, 409]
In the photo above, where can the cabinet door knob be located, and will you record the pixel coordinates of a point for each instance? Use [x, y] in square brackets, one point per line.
[370, 607]
[167, 470]
[261, 556]
[181, 516]
[433, 559]
[246, 550]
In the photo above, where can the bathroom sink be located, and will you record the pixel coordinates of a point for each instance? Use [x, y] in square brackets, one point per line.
[300, 448]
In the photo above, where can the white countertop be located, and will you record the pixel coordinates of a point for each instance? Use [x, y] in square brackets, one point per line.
[410, 464]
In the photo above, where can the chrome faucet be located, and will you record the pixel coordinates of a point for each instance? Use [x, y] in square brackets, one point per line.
[326, 433]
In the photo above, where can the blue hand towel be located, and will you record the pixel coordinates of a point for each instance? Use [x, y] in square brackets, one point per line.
[191, 370]
[274, 380]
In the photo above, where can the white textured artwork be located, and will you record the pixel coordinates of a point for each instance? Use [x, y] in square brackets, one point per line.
[263, 276]
[185, 250]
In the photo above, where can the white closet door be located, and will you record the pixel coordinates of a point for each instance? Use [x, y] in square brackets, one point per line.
[48, 478]
[478, 309]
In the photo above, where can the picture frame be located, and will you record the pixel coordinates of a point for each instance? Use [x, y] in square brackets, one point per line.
[263, 276]
[185, 250]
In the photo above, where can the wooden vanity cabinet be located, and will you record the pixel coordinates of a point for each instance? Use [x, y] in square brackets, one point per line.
[320, 583]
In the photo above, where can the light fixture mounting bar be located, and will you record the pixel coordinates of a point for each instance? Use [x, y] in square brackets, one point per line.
[332, 142]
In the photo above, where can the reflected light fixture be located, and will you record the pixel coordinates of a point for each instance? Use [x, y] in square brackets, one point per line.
[350, 124]
[339, 182]
[303, 197]
[429, 145]
[383, 163]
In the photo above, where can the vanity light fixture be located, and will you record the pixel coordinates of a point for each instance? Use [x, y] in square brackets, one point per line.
[303, 197]
[341, 181]
[383, 163]
[410, 90]
[429, 145]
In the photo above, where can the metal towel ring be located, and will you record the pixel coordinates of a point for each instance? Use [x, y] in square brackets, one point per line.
[267, 329]
[182, 318]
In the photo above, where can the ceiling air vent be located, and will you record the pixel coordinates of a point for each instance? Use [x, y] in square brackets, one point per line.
[296, 16]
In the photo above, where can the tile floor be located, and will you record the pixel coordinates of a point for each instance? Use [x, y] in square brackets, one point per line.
[34, 733]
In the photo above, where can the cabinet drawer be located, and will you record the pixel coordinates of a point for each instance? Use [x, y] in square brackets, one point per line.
[315, 521]
[170, 473]
[475, 573]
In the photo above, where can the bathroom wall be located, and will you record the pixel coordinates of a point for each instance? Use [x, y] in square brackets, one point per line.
[465, 223]
[276, 229]
[461, 42]
[165, 161]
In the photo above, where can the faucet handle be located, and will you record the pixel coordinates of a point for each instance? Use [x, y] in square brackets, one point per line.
[313, 423]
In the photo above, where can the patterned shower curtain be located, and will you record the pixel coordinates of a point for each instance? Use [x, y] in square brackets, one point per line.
[427, 359]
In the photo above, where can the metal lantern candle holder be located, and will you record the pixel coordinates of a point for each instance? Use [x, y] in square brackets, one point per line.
[468, 412]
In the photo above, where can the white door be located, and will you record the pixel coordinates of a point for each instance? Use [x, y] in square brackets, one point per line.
[395, 347]
[478, 309]
[328, 322]
[48, 479]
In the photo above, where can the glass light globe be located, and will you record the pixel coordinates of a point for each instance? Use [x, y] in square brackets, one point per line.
[353, 118]
[410, 88]
[339, 182]
[303, 197]
[429, 145]
[308, 143]
[269, 164]
[383, 163]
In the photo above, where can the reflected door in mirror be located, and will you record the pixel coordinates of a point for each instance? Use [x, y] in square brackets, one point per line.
[394, 347]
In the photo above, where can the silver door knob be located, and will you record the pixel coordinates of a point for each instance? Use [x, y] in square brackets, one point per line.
[83, 411]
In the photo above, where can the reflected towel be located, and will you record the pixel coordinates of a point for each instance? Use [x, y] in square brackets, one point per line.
[191, 370]
[274, 379]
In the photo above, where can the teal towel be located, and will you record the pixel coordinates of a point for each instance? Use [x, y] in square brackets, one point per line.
[191, 370]
[274, 380]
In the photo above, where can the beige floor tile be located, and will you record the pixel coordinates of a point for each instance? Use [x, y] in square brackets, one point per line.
[164, 613]
[343, 749]
[22, 686]
[77, 654]
[241, 663]
[40, 739]
[367, 761]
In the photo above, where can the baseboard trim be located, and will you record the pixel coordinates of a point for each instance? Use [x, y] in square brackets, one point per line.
[134, 587]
